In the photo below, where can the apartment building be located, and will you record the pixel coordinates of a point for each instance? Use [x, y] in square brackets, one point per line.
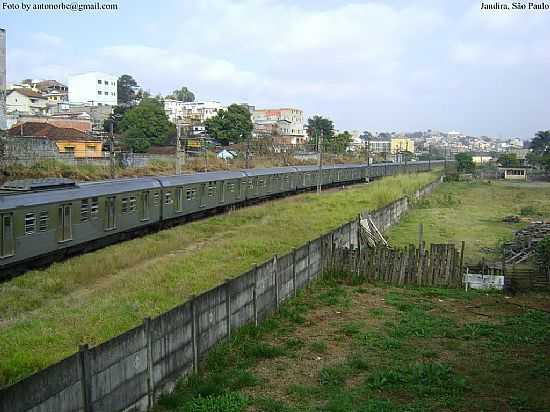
[93, 88]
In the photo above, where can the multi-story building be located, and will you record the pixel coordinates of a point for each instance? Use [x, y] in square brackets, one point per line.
[191, 112]
[93, 88]
[401, 144]
[379, 146]
[26, 101]
[289, 121]
[2, 79]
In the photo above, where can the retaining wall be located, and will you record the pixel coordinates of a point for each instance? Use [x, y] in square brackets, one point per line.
[129, 371]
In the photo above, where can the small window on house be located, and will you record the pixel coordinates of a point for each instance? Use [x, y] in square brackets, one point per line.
[30, 223]
[94, 209]
[99, 92]
[168, 198]
[91, 147]
[99, 82]
[84, 210]
[106, 82]
[69, 149]
[133, 204]
[124, 204]
[43, 221]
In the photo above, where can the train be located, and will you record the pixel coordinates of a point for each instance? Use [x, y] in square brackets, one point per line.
[45, 220]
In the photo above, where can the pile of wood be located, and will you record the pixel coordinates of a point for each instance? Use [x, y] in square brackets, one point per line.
[525, 240]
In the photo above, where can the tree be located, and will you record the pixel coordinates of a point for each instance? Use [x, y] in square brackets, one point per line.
[341, 142]
[508, 160]
[145, 125]
[183, 94]
[115, 118]
[126, 87]
[540, 146]
[231, 125]
[464, 162]
[542, 255]
[318, 124]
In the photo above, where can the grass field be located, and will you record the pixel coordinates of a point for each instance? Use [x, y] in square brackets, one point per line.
[376, 348]
[44, 315]
[473, 212]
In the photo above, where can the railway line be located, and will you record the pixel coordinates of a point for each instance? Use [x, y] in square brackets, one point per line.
[42, 221]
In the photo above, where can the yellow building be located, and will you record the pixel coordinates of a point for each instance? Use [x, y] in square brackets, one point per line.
[401, 144]
[67, 140]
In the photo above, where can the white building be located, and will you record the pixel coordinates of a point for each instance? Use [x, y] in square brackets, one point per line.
[93, 88]
[26, 101]
[188, 112]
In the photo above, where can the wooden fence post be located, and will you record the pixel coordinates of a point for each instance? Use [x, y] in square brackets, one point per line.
[308, 262]
[150, 380]
[85, 376]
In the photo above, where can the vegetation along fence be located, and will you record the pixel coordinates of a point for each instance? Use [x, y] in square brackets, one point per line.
[130, 370]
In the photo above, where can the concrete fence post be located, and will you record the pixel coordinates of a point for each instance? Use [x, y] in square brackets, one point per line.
[308, 261]
[85, 376]
[150, 382]
[194, 333]
[228, 306]
[275, 273]
[294, 272]
[255, 295]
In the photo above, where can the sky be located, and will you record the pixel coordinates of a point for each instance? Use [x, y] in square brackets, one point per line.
[367, 65]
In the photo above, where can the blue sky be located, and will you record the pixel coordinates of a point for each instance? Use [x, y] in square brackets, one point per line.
[368, 65]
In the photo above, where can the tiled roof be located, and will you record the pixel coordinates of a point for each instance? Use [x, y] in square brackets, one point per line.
[47, 131]
[29, 93]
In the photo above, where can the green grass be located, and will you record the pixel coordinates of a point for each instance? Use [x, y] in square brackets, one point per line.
[473, 212]
[425, 350]
[46, 314]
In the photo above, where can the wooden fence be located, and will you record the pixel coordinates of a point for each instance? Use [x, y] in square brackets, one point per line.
[441, 265]
[518, 278]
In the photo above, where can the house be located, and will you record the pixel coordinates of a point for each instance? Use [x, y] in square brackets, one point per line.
[482, 158]
[93, 88]
[191, 112]
[79, 121]
[401, 144]
[513, 173]
[227, 154]
[67, 140]
[25, 100]
[289, 124]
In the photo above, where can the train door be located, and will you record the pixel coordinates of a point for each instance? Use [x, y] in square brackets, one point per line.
[144, 206]
[8, 240]
[110, 213]
[64, 226]
[221, 192]
[202, 198]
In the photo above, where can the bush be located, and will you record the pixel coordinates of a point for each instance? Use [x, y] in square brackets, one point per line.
[226, 402]
[528, 211]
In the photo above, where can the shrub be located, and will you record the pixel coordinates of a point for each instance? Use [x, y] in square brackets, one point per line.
[226, 402]
[542, 253]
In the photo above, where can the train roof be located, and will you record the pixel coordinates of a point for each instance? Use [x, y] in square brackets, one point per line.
[269, 170]
[177, 180]
[78, 191]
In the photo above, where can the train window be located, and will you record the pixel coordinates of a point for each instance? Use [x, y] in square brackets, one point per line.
[191, 194]
[132, 206]
[145, 206]
[250, 184]
[94, 208]
[124, 204]
[168, 198]
[211, 189]
[221, 193]
[43, 221]
[179, 199]
[30, 223]
[84, 210]
[64, 227]
[110, 213]
[8, 243]
[156, 198]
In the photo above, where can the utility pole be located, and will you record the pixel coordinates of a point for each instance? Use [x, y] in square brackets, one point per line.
[445, 159]
[367, 147]
[430, 157]
[320, 151]
[247, 158]
[111, 151]
[205, 156]
[178, 149]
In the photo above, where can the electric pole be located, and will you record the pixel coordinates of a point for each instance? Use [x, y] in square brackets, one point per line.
[247, 158]
[320, 151]
[178, 149]
[445, 159]
[111, 151]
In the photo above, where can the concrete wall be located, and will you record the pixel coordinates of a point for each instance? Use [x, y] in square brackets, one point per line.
[131, 370]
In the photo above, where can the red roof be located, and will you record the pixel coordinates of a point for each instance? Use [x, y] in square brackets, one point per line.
[29, 93]
[47, 131]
